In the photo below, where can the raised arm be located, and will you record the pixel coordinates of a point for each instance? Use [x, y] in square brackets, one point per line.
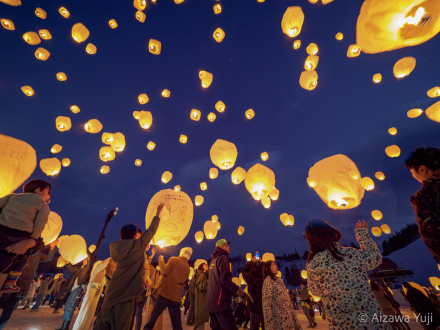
[148, 235]
[165, 268]
[369, 255]
[246, 271]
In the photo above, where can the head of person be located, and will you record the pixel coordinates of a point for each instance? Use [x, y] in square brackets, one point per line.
[138, 234]
[186, 252]
[222, 244]
[39, 187]
[129, 231]
[303, 285]
[374, 286]
[322, 236]
[270, 269]
[203, 267]
[424, 163]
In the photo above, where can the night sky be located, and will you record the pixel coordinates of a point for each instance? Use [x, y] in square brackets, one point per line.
[255, 66]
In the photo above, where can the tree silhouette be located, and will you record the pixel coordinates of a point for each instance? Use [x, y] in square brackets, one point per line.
[401, 239]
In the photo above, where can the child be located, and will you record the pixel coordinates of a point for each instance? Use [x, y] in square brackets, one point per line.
[424, 165]
[22, 220]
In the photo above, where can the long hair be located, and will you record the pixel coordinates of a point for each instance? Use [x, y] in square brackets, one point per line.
[266, 270]
[322, 236]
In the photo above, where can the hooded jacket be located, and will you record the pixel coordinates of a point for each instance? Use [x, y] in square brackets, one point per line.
[128, 280]
[201, 286]
[253, 275]
[220, 285]
[174, 275]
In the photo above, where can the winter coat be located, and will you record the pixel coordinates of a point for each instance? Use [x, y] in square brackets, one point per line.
[201, 287]
[343, 285]
[253, 275]
[175, 274]
[44, 285]
[220, 285]
[31, 293]
[55, 286]
[421, 304]
[277, 308]
[426, 205]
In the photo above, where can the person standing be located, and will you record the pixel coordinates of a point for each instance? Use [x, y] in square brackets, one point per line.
[156, 278]
[42, 292]
[306, 304]
[192, 301]
[27, 301]
[221, 288]
[53, 290]
[201, 287]
[253, 274]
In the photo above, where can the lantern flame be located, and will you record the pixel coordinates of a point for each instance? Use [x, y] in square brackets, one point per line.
[413, 20]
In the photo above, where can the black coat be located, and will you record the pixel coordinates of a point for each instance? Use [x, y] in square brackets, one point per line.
[220, 285]
[253, 275]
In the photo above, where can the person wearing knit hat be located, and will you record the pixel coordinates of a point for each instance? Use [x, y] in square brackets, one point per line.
[174, 275]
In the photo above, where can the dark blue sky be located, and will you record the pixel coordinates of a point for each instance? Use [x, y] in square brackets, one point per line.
[254, 67]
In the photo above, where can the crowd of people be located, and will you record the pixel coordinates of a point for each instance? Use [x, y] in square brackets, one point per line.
[118, 289]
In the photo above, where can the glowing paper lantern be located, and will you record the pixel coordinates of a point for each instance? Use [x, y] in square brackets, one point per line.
[220, 106]
[380, 176]
[154, 46]
[140, 4]
[198, 200]
[145, 119]
[223, 154]
[45, 34]
[414, 113]
[138, 162]
[143, 98]
[52, 228]
[404, 67]
[199, 236]
[166, 176]
[166, 93]
[175, 219]
[312, 49]
[183, 139]
[434, 92]
[392, 131]
[73, 249]
[392, 151]
[304, 274]
[140, 16]
[195, 114]
[335, 184]
[217, 9]
[61, 76]
[65, 162]
[104, 169]
[367, 183]
[243, 282]
[80, 33]
[136, 115]
[42, 54]
[376, 231]
[264, 156]
[56, 148]
[177, 188]
[248, 256]
[296, 44]
[214, 218]
[63, 123]
[61, 262]
[7, 24]
[384, 26]
[274, 194]
[311, 62]
[64, 12]
[386, 229]
[353, 51]
[240, 230]
[211, 116]
[292, 21]
[377, 215]
[107, 138]
[435, 281]
[92, 248]
[265, 201]
[249, 114]
[286, 219]
[112, 23]
[93, 126]
[218, 35]
[206, 78]
[433, 112]
[236, 281]
[339, 36]
[106, 154]
[118, 142]
[75, 109]
[31, 38]
[309, 80]
[210, 229]
[91, 49]
[18, 161]
[27, 90]
[50, 166]
[268, 257]
[203, 186]
[259, 181]
[238, 175]
[151, 145]
[377, 78]
[213, 173]
[311, 182]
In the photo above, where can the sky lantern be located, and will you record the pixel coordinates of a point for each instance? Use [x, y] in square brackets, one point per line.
[138, 162]
[236, 281]
[296, 44]
[177, 188]
[249, 114]
[353, 51]
[56, 148]
[311, 62]
[404, 67]
[64, 12]
[112, 23]
[274, 194]
[73, 249]
[435, 281]
[376, 231]
[433, 112]
[259, 181]
[217, 9]
[92, 248]
[90, 49]
[104, 169]
[392, 131]
[18, 161]
[52, 228]
[42, 54]
[268, 256]
[220, 106]
[27, 90]
[178, 1]
[213, 173]
[286, 219]
[206, 78]
[214, 218]
[80, 33]
[218, 35]
[211, 116]
[304, 274]
[151, 145]
[203, 186]
[377, 78]
[198, 200]
[107, 138]
[414, 113]
[265, 201]
[106, 154]
[7, 24]
[61, 262]
[140, 16]
[339, 36]
[50, 166]
[380, 176]
[240, 276]
[238, 175]
[145, 119]
[386, 229]
[166, 93]
[292, 21]
[248, 256]
[367, 183]
[75, 109]
[195, 114]
[140, 4]
[199, 236]
[311, 182]
[65, 162]
[210, 229]
[308, 80]
[264, 156]
[61, 76]
[434, 92]
[223, 154]
[118, 142]
[31, 38]
[93, 126]
[377, 215]
[183, 139]
[63, 123]
[312, 49]
[335, 183]
[154, 46]
[396, 24]
[143, 98]
[166, 176]
[392, 151]
[175, 219]
[240, 230]
[45, 34]
[136, 115]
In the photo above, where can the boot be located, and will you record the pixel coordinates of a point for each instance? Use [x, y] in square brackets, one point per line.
[65, 326]
[56, 311]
